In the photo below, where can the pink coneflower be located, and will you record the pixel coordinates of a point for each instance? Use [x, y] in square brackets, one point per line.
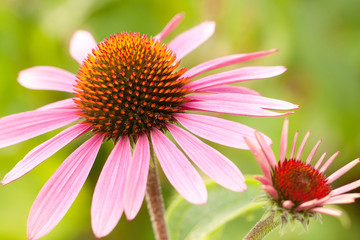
[296, 189]
[129, 90]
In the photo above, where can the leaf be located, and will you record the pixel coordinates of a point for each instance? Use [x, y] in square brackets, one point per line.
[187, 221]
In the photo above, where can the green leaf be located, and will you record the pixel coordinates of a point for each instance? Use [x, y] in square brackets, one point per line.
[187, 221]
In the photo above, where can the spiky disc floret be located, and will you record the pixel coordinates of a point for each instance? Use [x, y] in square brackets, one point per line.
[299, 182]
[128, 85]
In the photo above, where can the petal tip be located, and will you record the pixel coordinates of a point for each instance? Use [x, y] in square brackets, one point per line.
[180, 15]
[99, 235]
[211, 25]
[3, 182]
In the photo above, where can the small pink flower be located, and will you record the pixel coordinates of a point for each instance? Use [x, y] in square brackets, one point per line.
[128, 90]
[296, 189]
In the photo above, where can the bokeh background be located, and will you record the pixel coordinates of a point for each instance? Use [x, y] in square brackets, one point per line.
[318, 43]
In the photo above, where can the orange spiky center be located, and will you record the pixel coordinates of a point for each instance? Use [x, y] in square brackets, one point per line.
[128, 85]
[299, 182]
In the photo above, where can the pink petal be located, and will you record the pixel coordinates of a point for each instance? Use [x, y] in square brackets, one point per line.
[270, 190]
[218, 130]
[288, 204]
[284, 140]
[251, 100]
[187, 41]
[43, 152]
[60, 191]
[263, 180]
[260, 158]
[62, 104]
[343, 199]
[328, 162]
[225, 61]
[327, 211]
[210, 161]
[136, 179]
[181, 174]
[312, 203]
[342, 171]
[230, 89]
[22, 126]
[302, 146]
[346, 188]
[293, 145]
[47, 78]
[265, 147]
[237, 75]
[81, 45]
[231, 108]
[340, 201]
[321, 159]
[174, 22]
[312, 153]
[107, 203]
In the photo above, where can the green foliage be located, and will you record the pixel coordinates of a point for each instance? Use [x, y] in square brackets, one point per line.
[187, 221]
[318, 42]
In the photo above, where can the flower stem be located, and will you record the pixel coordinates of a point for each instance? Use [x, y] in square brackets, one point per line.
[155, 201]
[263, 228]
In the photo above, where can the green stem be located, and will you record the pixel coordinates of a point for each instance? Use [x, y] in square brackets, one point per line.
[263, 228]
[155, 201]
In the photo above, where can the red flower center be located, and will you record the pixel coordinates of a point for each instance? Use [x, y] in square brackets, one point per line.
[128, 85]
[299, 182]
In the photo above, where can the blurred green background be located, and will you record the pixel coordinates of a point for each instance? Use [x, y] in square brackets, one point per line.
[318, 42]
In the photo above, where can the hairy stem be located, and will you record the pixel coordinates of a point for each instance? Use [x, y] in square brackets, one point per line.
[155, 201]
[263, 228]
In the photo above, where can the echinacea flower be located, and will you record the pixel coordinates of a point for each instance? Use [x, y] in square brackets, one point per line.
[296, 189]
[128, 90]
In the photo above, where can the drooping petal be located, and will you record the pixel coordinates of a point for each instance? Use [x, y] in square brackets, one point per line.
[229, 89]
[343, 199]
[260, 158]
[302, 146]
[231, 108]
[266, 150]
[237, 75]
[47, 78]
[107, 203]
[225, 61]
[340, 201]
[264, 180]
[187, 41]
[342, 171]
[270, 190]
[313, 203]
[174, 22]
[327, 211]
[62, 104]
[22, 126]
[210, 161]
[181, 174]
[136, 178]
[218, 130]
[254, 101]
[81, 44]
[60, 191]
[43, 152]
[284, 140]
[346, 188]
